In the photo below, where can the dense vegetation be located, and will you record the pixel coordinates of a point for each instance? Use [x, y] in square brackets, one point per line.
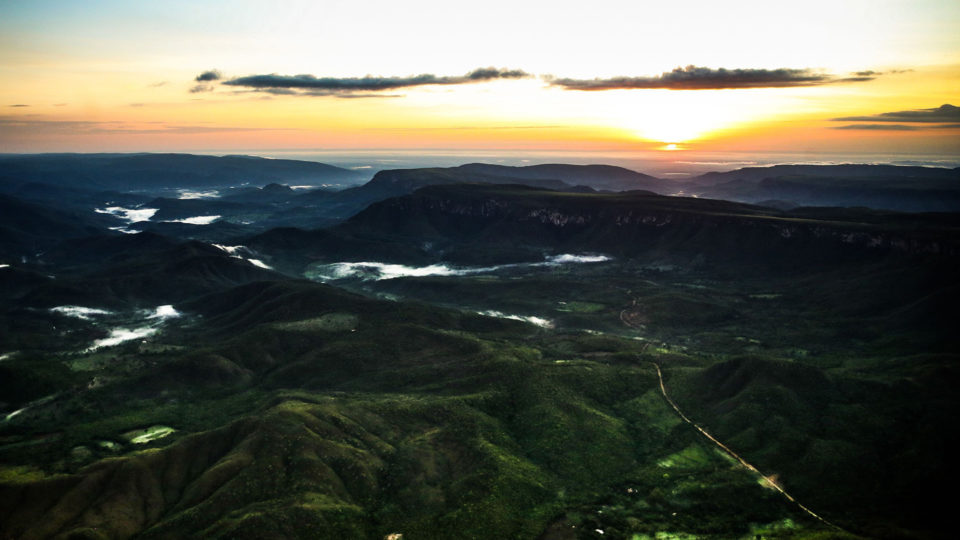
[818, 344]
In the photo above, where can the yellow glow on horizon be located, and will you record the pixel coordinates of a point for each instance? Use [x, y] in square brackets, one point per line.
[686, 117]
[117, 75]
[100, 109]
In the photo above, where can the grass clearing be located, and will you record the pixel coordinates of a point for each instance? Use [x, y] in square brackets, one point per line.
[691, 457]
[20, 474]
[329, 322]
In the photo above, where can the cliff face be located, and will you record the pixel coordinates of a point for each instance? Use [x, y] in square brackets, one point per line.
[637, 223]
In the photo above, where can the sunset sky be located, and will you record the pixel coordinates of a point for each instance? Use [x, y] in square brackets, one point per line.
[841, 77]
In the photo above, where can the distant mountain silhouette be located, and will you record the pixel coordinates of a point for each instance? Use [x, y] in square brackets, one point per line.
[599, 177]
[909, 189]
[482, 223]
[392, 183]
[27, 229]
[150, 171]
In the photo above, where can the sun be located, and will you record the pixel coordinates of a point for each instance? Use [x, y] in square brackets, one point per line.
[667, 126]
[676, 119]
[669, 118]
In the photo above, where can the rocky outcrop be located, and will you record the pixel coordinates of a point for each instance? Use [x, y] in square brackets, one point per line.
[609, 220]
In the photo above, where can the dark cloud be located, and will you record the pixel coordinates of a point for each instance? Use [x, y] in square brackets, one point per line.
[681, 78]
[486, 74]
[18, 105]
[205, 81]
[941, 114]
[703, 78]
[350, 86]
[209, 75]
[879, 127]
[898, 127]
[158, 84]
[202, 87]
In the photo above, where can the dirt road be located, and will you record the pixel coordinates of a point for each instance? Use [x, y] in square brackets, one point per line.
[767, 480]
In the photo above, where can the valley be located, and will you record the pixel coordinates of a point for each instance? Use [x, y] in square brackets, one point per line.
[547, 352]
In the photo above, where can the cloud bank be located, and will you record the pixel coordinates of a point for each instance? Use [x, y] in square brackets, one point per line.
[681, 78]
[704, 78]
[368, 86]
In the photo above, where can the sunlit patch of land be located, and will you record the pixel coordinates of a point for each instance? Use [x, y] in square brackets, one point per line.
[147, 435]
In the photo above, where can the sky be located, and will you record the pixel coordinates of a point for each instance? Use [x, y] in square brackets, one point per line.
[814, 78]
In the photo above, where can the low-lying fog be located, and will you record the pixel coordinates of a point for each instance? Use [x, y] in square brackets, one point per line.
[145, 322]
[376, 271]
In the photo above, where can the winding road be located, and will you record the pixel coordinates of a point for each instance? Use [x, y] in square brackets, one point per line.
[769, 481]
[624, 318]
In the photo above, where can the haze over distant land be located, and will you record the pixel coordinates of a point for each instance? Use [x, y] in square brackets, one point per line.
[675, 165]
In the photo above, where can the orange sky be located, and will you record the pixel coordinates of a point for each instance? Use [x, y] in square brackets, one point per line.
[109, 76]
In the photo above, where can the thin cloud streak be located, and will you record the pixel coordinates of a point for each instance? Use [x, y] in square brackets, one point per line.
[202, 87]
[73, 127]
[872, 73]
[704, 78]
[941, 114]
[472, 128]
[898, 127]
[309, 93]
[878, 127]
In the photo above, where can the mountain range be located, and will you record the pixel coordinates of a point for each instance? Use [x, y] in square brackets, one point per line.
[191, 347]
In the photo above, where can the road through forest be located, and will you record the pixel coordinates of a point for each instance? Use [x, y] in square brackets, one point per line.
[767, 480]
[624, 317]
